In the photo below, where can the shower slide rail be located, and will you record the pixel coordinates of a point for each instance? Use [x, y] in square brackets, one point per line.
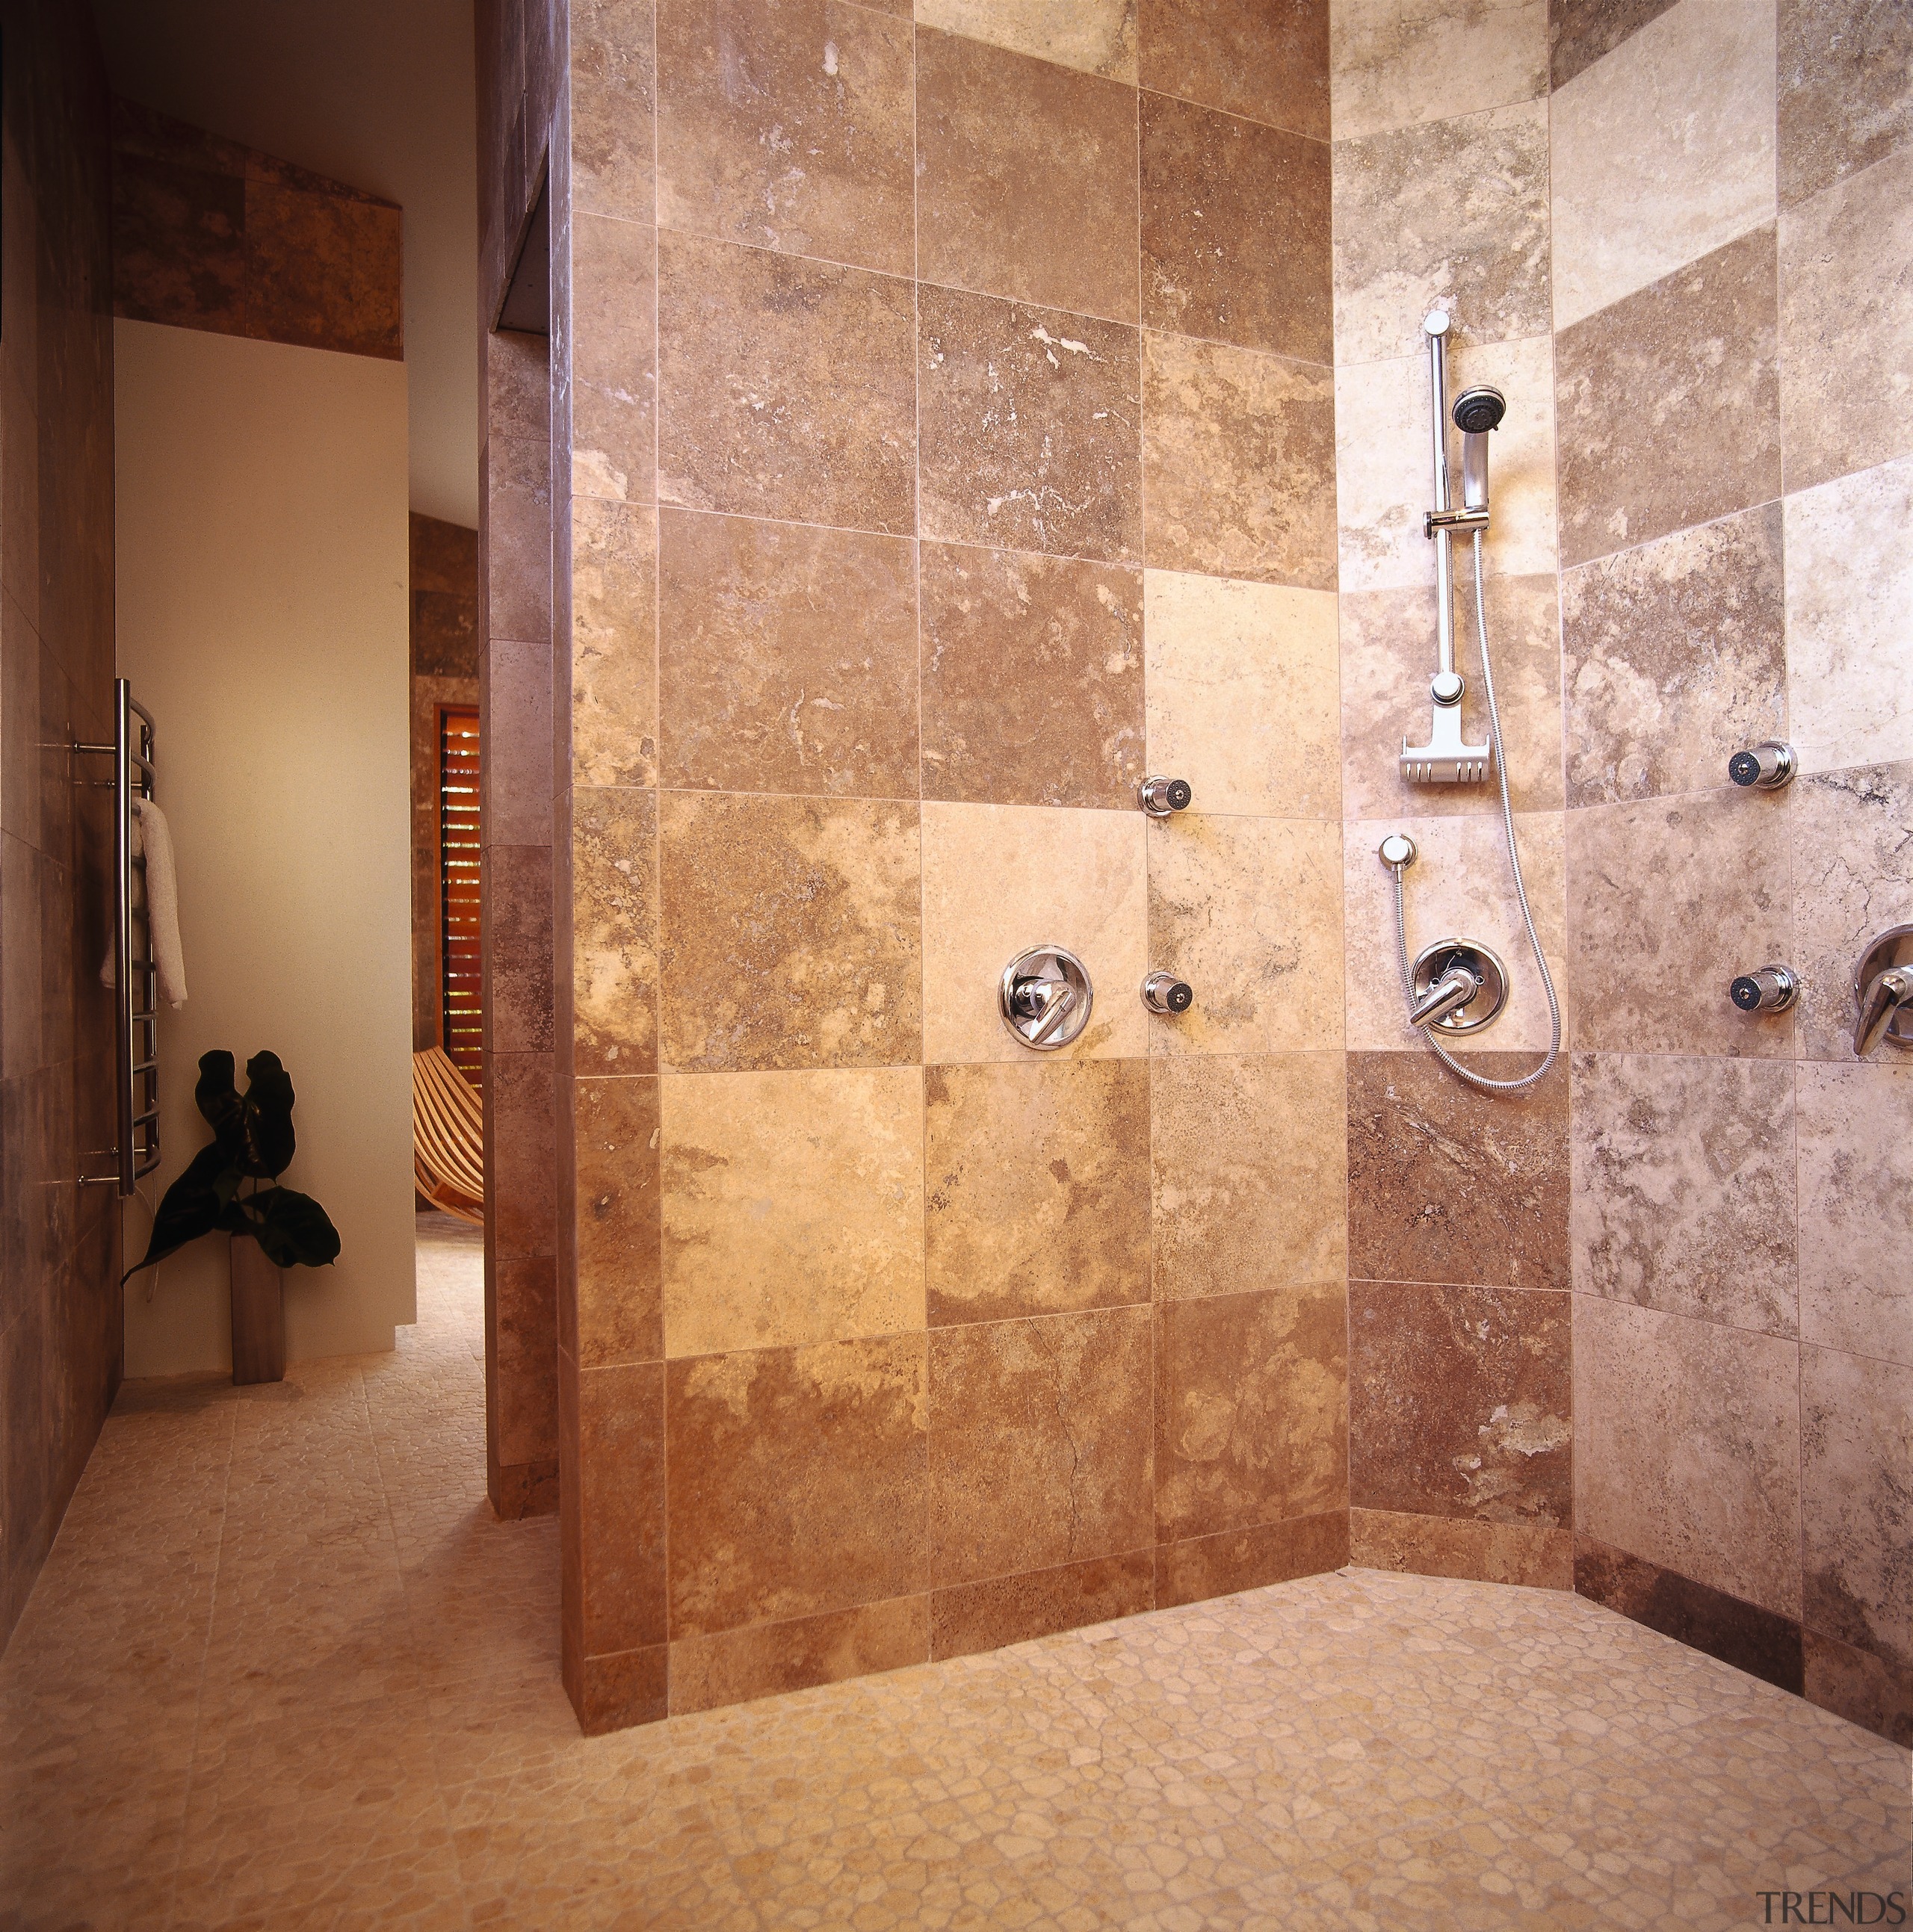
[135, 1152]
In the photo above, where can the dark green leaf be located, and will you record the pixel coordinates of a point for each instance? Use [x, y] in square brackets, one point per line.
[269, 1107]
[218, 1099]
[191, 1207]
[293, 1228]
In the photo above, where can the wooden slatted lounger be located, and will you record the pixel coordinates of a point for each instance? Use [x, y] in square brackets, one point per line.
[448, 1136]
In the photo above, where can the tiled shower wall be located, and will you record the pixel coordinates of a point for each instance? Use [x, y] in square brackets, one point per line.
[1651, 1328]
[60, 1326]
[974, 455]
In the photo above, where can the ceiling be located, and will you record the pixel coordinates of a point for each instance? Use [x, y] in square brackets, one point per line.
[377, 93]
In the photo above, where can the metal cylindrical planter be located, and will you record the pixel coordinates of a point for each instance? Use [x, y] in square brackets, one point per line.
[258, 1315]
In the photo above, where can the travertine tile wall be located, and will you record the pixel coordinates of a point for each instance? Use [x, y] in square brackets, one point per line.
[60, 1326]
[1700, 301]
[974, 454]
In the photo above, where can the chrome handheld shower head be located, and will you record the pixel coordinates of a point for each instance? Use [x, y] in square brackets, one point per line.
[1477, 411]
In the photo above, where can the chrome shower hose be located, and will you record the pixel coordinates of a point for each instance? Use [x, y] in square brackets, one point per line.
[1441, 1052]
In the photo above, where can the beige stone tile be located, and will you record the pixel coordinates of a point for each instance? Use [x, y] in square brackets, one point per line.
[1853, 876]
[1388, 657]
[1849, 602]
[1683, 1186]
[1455, 211]
[1846, 90]
[613, 646]
[1093, 36]
[1036, 1188]
[1687, 1447]
[1846, 325]
[1649, 171]
[1383, 489]
[615, 931]
[1241, 689]
[1238, 463]
[1674, 657]
[614, 356]
[1391, 64]
[1856, 1208]
[1250, 1160]
[1580, 31]
[1856, 1446]
[998, 880]
[1458, 887]
[793, 1208]
[1248, 910]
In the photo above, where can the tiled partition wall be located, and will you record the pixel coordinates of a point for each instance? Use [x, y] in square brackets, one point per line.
[1679, 237]
[974, 455]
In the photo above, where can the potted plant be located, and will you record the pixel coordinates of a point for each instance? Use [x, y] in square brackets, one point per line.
[232, 1186]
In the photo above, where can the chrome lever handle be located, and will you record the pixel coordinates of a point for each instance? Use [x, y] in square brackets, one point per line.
[1453, 990]
[1048, 1003]
[1885, 995]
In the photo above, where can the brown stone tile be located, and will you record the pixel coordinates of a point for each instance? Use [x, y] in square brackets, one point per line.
[1846, 325]
[1092, 36]
[1683, 1186]
[973, 1617]
[1039, 1443]
[798, 1482]
[1250, 1156]
[1454, 210]
[1687, 1447]
[518, 924]
[614, 96]
[619, 1298]
[1252, 1410]
[179, 253]
[612, 1694]
[1855, 1159]
[1853, 855]
[766, 1659]
[1239, 462]
[614, 931]
[1846, 90]
[793, 1208]
[614, 644]
[517, 1490]
[1387, 651]
[322, 271]
[1667, 403]
[1740, 1633]
[1535, 1558]
[792, 932]
[517, 541]
[1025, 177]
[1640, 982]
[1250, 1559]
[788, 387]
[1249, 912]
[1268, 59]
[525, 1398]
[521, 1153]
[1856, 1515]
[1674, 658]
[517, 736]
[614, 359]
[1029, 422]
[1038, 1186]
[1460, 1403]
[1865, 1690]
[1236, 231]
[786, 124]
[1580, 31]
[621, 1463]
[1445, 1184]
[1032, 678]
[787, 658]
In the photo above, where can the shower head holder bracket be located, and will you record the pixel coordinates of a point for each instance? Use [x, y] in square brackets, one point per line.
[1445, 759]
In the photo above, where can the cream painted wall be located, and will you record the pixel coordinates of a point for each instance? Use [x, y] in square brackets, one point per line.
[261, 558]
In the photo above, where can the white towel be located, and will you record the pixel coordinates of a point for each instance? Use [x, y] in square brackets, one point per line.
[153, 842]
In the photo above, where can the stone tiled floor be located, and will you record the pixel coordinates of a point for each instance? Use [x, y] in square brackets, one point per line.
[283, 1669]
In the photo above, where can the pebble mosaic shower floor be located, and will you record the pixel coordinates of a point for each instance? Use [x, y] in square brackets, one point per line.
[284, 1669]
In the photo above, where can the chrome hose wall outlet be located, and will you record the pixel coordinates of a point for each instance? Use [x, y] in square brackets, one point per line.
[1164, 993]
[1765, 767]
[1767, 989]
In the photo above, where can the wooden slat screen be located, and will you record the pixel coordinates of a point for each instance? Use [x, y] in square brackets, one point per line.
[460, 965]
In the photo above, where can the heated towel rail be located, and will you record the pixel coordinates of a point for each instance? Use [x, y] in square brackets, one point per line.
[136, 1150]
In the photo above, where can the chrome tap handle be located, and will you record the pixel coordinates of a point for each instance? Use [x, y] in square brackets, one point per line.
[1454, 989]
[1886, 993]
[1048, 1002]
